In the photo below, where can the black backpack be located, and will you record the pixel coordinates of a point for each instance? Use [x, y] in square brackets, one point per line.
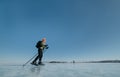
[38, 44]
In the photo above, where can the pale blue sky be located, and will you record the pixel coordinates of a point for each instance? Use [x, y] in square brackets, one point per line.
[79, 30]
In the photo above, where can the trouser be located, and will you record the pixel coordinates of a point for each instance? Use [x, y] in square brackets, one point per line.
[40, 55]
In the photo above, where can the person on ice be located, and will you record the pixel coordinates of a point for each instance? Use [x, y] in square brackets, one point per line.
[41, 45]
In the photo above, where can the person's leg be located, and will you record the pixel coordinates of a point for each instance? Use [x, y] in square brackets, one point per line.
[40, 56]
[34, 61]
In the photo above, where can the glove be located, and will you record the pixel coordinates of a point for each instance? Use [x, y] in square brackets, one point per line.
[47, 47]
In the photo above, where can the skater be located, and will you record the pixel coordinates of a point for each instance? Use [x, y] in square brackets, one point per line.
[41, 45]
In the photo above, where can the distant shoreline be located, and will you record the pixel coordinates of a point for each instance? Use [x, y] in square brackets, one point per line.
[102, 61]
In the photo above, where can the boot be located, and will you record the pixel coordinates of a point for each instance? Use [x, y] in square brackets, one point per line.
[39, 63]
[34, 63]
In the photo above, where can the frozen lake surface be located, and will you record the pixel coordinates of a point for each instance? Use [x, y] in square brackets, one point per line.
[63, 70]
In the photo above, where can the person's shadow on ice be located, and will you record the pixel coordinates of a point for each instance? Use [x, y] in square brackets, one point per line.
[36, 70]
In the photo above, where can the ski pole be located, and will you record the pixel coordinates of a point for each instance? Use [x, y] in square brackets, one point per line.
[30, 59]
